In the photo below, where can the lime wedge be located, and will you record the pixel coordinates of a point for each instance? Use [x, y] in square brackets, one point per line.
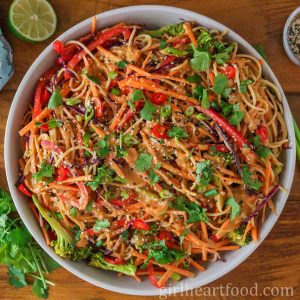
[32, 20]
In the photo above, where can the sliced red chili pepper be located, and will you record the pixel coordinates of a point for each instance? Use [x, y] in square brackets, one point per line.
[159, 99]
[152, 277]
[90, 232]
[167, 237]
[167, 60]
[114, 260]
[160, 131]
[181, 41]
[120, 202]
[98, 106]
[102, 38]
[238, 138]
[44, 127]
[229, 71]
[61, 173]
[114, 83]
[140, 224]
[121, 222]
[130, 113]
[263, 134]
[60, 48]
[214, 238]
[45, 96]
[219, 147]
[24, 190]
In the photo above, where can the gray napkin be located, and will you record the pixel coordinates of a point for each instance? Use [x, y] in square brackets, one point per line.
[6, 62]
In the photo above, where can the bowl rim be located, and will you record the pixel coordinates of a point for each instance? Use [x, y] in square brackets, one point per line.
[285, 37]
[291, 158]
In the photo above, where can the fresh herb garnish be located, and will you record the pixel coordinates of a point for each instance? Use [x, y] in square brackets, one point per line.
[92, 78]
[204, 171]
[122, 64]
[103, 175]
[148, 111]
[220, 83]
[200, 60]
[252, 183]
[102, 147]
[46, 171]
[235, 208]
[153, 178]
[100, 224]
[193, 78]
[116, 91]
[135, 96]
[144, 162]
[237, 115]
[55, 100]
[244, 84]
[177, 132]
[112, 75]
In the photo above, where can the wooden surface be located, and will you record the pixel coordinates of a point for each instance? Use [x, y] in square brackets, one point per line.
[276, 263]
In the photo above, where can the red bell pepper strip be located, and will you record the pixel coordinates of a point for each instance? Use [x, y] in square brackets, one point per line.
[263, 134]
[140, 224]
[152, 277]
[168, 59]
[238, 138]
[61, 60]
[90, 232]
[102, 38]
[61, 173]
[181, 41]
[114, 260]
[214, 238]
[61, 49]
[37, 106]
[159, 131]
[24, 190]
[167, 237]
[98, 106]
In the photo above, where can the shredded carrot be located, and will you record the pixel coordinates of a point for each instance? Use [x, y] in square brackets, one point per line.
[196, 265]
[94, 24]
[247, 229]
[117, 117]
[268, 175]
[146, 60]
[98, 130]
[166, 266]
[254, 234]
[188, 29]
[261, 61]
[168, 274]
[229, 248]
[78, 179]
[204, 231]
[56, 185]
[31, 124]
[65, 89]
[211, 76]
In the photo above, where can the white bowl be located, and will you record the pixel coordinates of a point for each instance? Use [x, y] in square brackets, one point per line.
[285, 37]
[153, 16]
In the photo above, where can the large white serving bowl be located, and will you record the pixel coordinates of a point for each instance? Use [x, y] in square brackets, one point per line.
[152, 16]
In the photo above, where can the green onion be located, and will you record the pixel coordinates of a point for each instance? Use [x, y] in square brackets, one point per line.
[200, 117]
[112, 75]
[165, 194]
[73, 212]
[89, 113]
[129, 140]
[175, 276]
[211, 193]
[163, 44]
[116, 92]
[79, 118]
[297, 135]
[189, 111]
[166, 111]
[73, 101]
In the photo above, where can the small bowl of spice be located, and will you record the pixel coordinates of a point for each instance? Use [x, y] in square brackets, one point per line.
[291, 36]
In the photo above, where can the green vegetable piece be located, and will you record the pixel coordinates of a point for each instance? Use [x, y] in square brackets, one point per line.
[163, 44]
[220, 83]
[122, 64]
[55, 100]
[103, 175]
[201, 60]
[177, 132]
[129, 140]
[252, 183]
[237, 116]
[39, 290]
[92, 78]
[97, 260]
[235, 208]
[54, 123]
[211, 193]
[166, 111]
[89, 113]
[86, 138]
[100, 224]
[173, 29]
[148, 111]
[174, 51]
[204, 171]
[193, 78]
[46, 171]
[153, 177]
[236, 236]
[116, 91]
[112, 75]
[144, 162]
[102, 147]
[189, 111]
[244, 84]
[16, 277]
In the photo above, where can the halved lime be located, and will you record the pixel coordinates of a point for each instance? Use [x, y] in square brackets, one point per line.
[32, 20]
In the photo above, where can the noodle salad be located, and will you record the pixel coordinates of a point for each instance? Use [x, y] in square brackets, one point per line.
[151, 152]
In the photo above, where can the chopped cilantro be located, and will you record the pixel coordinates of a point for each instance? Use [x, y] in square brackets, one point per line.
[244, 84]
[220, 83]
[237, 115]
[193, 78]
[100, 224]
[46, 171]
[55, 100]
[122, 64]
[252, 183]
[153, 177]
[204, 173]
[235, 208]
[177, 132]
[102, 147]
[200, 60]
[144, 162]
[103, 175]
[148, 111]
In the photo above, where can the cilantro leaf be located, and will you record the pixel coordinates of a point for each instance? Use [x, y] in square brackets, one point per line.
[6, 202]
[153, 177]
[54, 123]
[196, 213]
[103, 175]
[221, 58]
[148, 111]
[177, 132]
[204, 101]
[204, 173]
[193, 78]
[252, 183]
[135, 96]
[235, 208]
[125, 235]
[39, 290]
[200, 60]
[92, 78]
[261, 150]
[103, 147]
[122, 64]
[16, 277]
[237, 115]
[220, 83]
[204, 39]
[112, 75]
[46, 171]
[100, 224]
[144, 162]
[86, 138]
[55, 100]
[244, 84]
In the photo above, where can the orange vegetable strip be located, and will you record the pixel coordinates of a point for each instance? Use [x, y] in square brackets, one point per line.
[115, 121]
[229, 248]
[166, 266]
[268, 175]
[98, 130]
[211, 78]
[168, 274]
[94, 23]
[31, 124]
[145, 272]
[196, 265]
[204, 230]
[195, 240]
[150, 86]
[254, 234]
[247, 229]
[146, 60]
[77, 179]
[188, 29]
[56, 185]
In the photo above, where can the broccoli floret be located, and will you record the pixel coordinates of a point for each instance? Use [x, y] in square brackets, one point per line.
[236, 236]
[98, 261]
[64, 245]
[173, 29]
[82, 253]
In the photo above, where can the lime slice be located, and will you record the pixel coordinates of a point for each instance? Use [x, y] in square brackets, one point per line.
[32, 20]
